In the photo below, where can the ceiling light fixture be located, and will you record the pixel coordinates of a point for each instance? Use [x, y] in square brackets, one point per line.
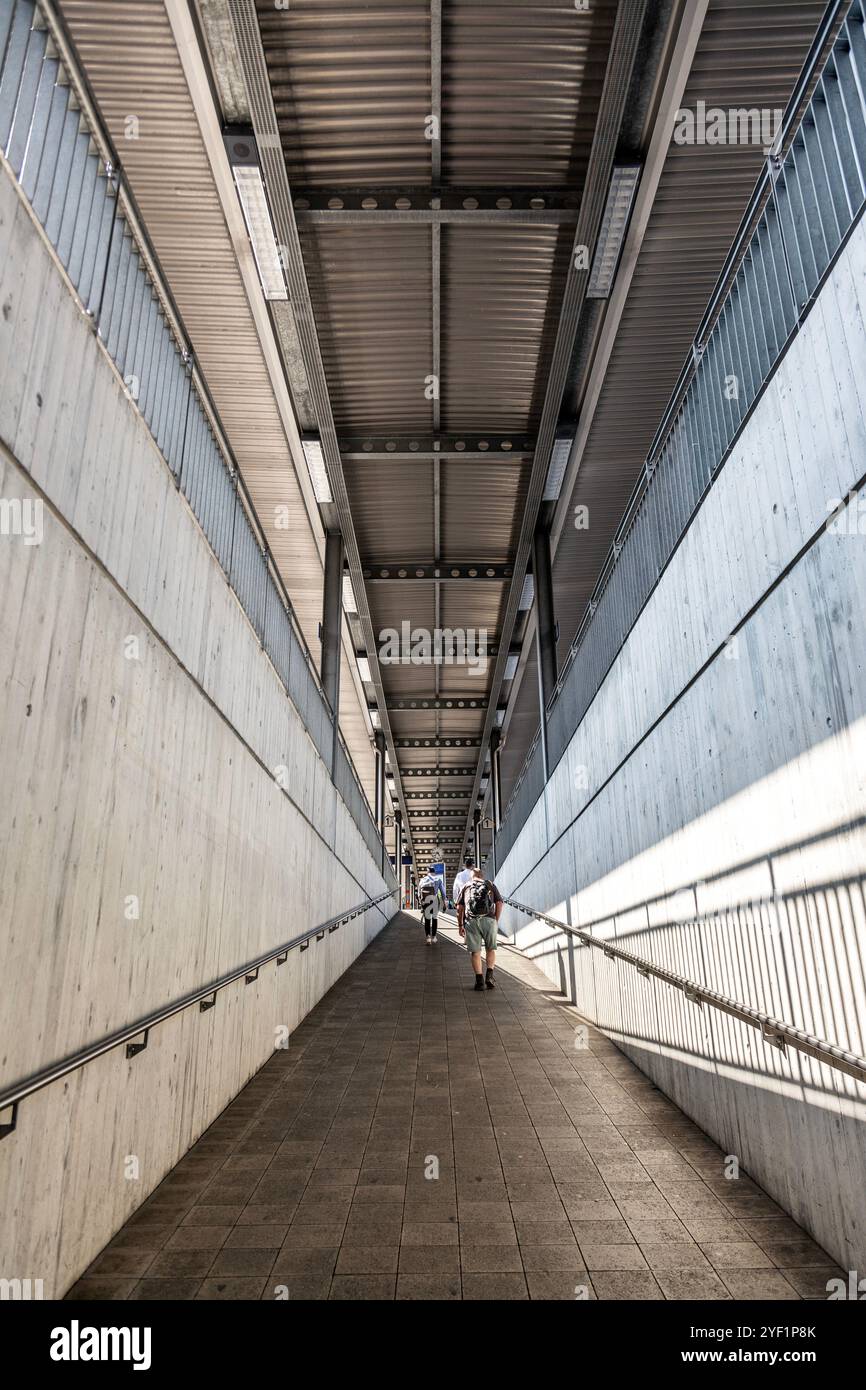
[244, 160]
[614, 224]
[364, 668]
[559, 457]
[349, 595]
[317, 470]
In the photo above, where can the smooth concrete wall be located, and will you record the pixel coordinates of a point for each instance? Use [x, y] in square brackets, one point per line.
[709, 811]
[148, 843]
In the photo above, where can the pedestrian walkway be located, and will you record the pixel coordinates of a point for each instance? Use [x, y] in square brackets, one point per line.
[420, 1141]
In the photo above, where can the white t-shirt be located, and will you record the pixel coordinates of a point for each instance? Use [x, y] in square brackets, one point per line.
[463, 877]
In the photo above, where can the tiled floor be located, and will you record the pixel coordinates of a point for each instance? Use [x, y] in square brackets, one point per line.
[423, 1141]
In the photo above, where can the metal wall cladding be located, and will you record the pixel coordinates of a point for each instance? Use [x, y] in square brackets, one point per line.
[371, 290]
[351, 86]
[748, 56]
[51, 153]
[522, 727]
[521, 89]
[817, 196]
[525, 796]
[501, 297]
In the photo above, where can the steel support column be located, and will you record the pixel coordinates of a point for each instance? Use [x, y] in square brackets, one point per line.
[496, 778]
[398, 852]
[476, 831]
[545, 632]
[379, 745]
[332, 618]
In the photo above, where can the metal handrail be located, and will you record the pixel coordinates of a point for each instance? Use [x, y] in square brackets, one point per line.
[773, 1031]
[11, 1097]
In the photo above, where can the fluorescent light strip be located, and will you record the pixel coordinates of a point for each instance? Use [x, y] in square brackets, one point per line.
[527, 594]
[510, 666]
[317, 470]
[251, 191]
[623, 186]
[556, 472]
[364, 669]
[349, 595]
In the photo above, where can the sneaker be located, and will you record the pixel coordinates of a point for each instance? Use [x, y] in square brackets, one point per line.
[491, 983]
[434, 939]
[479, 983]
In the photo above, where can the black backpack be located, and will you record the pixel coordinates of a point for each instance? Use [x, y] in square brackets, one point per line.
[478, 898]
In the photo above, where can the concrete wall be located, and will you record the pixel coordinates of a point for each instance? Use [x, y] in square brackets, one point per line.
[146, 844]
[710, 809]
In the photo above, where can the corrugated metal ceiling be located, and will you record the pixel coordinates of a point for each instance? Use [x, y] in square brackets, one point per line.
[354, 88]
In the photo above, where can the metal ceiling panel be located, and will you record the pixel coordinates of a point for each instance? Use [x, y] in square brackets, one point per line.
[351, 86]
[392, 507]
[520, 90]
[371, 295]
[481, 509]
[501, 294]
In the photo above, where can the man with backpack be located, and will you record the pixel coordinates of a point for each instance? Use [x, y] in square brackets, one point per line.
[479, 907]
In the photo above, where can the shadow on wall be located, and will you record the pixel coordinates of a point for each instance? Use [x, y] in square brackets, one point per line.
[794, 950]
[788, 946]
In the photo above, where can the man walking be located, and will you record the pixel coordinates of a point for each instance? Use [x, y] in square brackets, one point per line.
[479, 908]
[465, 874]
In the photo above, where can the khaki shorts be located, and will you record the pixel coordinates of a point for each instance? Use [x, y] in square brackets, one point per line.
[480, 931]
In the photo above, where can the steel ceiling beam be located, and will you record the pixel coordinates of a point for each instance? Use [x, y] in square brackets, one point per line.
[438, 771]
[423, 702]
[471, 448]
[624, 48]
[490, 649]
[408, 570]
[476, 207]
[267, 132]
[437, 742]
[437, 795]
